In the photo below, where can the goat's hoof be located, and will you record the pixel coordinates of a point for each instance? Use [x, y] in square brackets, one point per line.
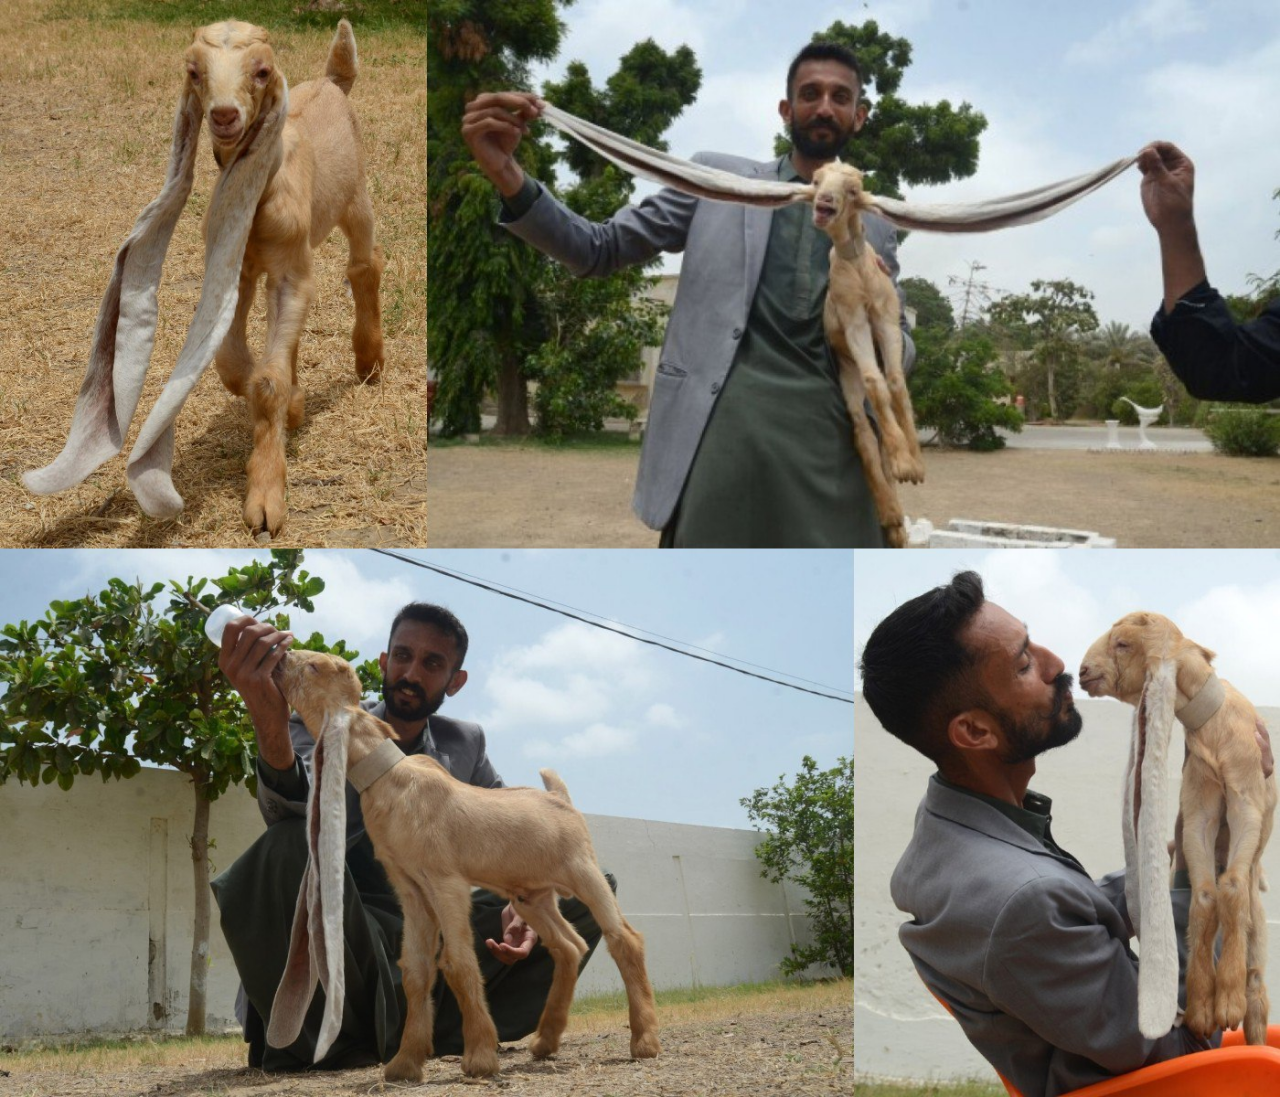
[402, 1069]
[480, 1064]
[895, 536]
[1199, 1017]
[645, 1045]
[369, 370]
[264, 512]
[907, 471]
[543, 1047]
[1230, 1006]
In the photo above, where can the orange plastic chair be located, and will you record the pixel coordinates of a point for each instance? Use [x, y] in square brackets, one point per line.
[1234, 1070]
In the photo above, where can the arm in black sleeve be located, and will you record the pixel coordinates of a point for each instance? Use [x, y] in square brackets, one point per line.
[1216, 358]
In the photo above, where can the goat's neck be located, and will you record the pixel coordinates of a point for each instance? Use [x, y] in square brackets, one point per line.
[848, 240]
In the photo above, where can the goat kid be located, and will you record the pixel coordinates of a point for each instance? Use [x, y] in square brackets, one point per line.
[1145, 661]
[862, 313]
[436, 837]
[319, 184]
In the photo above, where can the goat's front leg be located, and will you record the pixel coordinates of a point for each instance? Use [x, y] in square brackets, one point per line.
[234, 358]
[897, 451]
[1235, 907]
[883, 491]
[451, 898]
[417, 973]
[888, 337]
[272, 394]
[1201, 814]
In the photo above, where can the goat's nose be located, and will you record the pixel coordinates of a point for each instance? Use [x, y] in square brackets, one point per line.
[224, 117]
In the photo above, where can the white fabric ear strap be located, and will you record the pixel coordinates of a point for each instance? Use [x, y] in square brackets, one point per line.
[1199, 710]
[705, 182]
[375, 764]
[125, 332]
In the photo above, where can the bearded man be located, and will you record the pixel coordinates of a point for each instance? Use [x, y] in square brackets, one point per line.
[1007, 929]
[257, 894]
[748, 442]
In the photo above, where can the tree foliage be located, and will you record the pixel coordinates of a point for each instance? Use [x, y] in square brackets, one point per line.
[809, 839]
[956, 389]
[901, 142]
[933, 310]
[502, 315]
[1052, 321]
[102, 684]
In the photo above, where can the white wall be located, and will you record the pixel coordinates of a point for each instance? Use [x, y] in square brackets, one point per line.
[902, 1032]
[96, 904]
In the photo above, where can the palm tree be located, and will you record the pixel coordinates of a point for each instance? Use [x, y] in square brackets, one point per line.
[1117, 346]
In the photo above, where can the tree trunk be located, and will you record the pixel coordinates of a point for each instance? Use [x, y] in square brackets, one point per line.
[200, 930]
[513, 399]
[1053, 392]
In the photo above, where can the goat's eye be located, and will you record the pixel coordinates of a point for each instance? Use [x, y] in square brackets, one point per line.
[1121, 646]
[194, 75]
[262, 75]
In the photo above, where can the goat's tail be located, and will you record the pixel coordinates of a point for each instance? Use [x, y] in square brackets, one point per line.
[555, 786]
[342, 66]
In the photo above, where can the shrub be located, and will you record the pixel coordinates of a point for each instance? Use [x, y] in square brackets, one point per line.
[1244, 432]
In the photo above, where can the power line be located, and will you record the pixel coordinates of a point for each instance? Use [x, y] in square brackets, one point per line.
[630, 635]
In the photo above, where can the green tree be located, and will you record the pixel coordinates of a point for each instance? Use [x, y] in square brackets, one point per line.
[109, 681]
[933, 311]
[956, 390]
[1054, 317]
[808, 829]
[902, 142]
[502, 314]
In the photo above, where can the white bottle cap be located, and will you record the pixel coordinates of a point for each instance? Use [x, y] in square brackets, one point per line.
[218, 620]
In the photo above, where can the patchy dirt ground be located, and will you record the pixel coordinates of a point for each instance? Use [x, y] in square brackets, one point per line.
[86, 115]
[535, 496]
[788, 1054]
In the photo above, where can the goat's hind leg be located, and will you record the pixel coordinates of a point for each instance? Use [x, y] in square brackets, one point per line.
[626, 946]
[1258, 1004]
[1201, 812]
[234, 359]
[418, 949]
[857, 334]
[364, 272]
[888, 337]
[567, 948]
[1235, 907]
[883, 491]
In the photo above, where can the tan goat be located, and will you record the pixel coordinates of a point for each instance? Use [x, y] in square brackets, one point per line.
[862, 313]
[1144, 660]
[320, 184]
[290, 170]
[436, 837]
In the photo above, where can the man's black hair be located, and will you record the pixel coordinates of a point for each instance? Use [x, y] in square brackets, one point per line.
[822, 50]
[916, 673]
[427, 613]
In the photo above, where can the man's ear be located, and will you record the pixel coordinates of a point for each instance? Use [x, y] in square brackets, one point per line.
[458, 680]
[860, 116]
[382, 663]
[784, 112]
[973, 729]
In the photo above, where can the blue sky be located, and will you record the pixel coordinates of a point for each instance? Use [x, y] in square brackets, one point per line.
[1226, 599]
[634, 731]
[1065, 88]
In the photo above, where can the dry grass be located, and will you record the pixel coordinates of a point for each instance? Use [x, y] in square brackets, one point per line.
[764, 1039]
[86, 108]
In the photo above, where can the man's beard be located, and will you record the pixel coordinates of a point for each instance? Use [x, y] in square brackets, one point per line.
[819, 148]
[419, 708]
[1030, 737]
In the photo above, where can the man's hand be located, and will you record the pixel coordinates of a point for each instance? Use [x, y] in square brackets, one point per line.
[251, 651]
[492, 126]
[1168, 186]
[518, 938]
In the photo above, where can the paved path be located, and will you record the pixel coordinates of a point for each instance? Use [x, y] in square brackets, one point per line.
[1181, 439]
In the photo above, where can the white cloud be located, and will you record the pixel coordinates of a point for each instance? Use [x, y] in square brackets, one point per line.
[597, 741]
[663, 715]
[1145, 26]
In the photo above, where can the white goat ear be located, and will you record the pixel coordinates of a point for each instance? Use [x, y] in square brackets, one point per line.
[1158, 971]
[317, 921]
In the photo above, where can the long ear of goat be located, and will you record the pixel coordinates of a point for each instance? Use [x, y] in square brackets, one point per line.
[126, 326]
[316, 942]
[706, 182]
[1147, 855]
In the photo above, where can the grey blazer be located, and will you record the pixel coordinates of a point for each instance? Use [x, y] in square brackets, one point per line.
[455, 744]
[1028, 953]
[724, 245]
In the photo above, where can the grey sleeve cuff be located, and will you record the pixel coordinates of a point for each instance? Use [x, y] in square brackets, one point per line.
[522, 201]
[289, 784]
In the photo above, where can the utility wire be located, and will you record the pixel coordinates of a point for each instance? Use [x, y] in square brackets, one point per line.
[529, 600]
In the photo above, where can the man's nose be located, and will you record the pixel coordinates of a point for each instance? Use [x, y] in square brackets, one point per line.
[1053, 666]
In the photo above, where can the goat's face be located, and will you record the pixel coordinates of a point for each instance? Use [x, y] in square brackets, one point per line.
[315, 684]
[231, 70]
[837, 193]
[1118, 662]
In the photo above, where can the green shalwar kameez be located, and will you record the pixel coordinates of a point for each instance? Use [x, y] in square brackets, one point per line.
[776, 467]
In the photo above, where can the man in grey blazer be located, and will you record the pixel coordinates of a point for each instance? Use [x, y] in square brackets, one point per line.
[257, 894]
[748, 442]
[1007, 929]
